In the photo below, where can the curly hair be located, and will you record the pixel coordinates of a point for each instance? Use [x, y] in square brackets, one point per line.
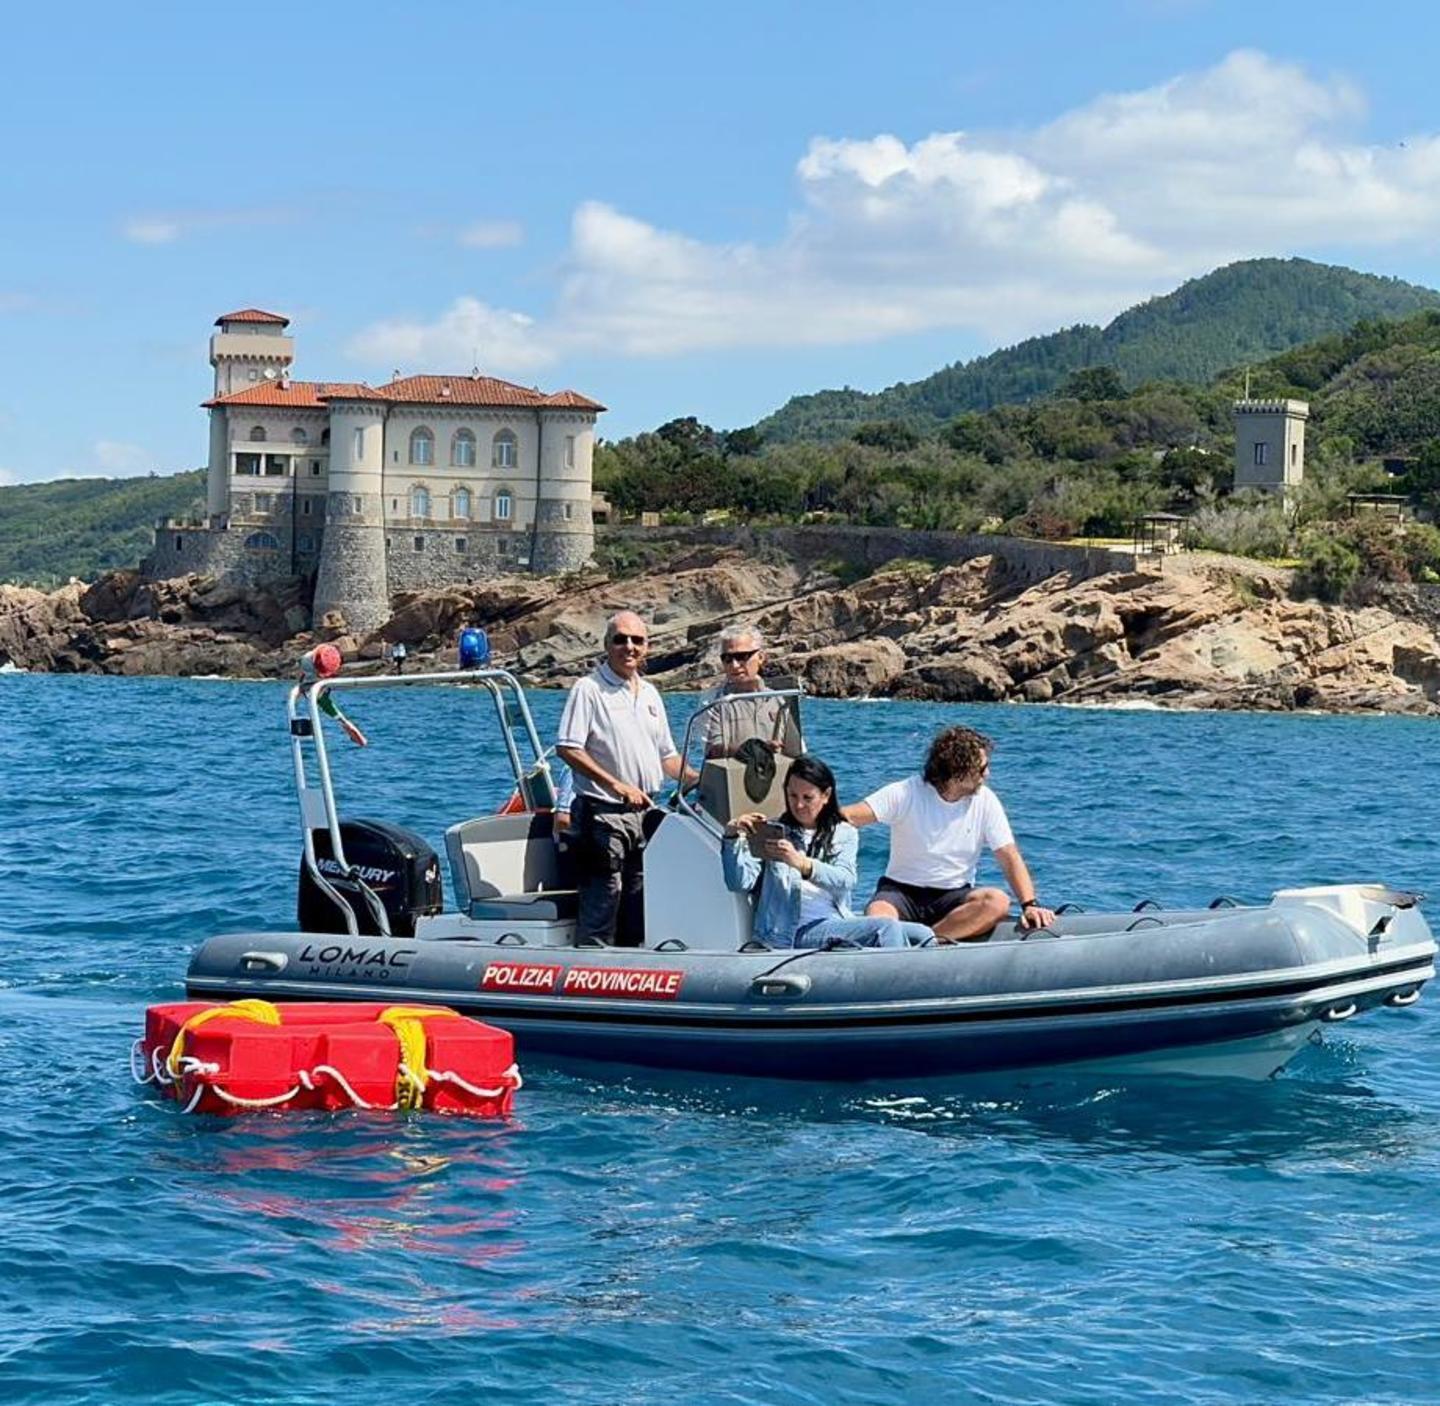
[957, 754]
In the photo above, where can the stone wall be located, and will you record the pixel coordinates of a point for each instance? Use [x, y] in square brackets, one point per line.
[223, 553]
[431, 558]
[1025, 559]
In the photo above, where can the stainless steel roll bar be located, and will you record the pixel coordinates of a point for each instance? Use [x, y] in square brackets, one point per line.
[317, 803]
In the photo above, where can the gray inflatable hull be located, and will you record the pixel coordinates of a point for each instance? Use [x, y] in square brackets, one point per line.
[1235, 991]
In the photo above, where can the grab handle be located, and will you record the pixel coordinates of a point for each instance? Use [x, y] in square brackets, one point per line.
[1338, 1013]
[781, 984]
[263, 961]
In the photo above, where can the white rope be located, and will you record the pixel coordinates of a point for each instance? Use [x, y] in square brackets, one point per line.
[513, 1073]
[330, 1072]
[138, 1062]
[158, 1070]
[245, 1102]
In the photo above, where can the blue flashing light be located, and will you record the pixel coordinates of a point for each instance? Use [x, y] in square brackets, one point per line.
[474, 647]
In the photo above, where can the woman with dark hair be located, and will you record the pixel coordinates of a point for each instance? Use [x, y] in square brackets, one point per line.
[802, 880]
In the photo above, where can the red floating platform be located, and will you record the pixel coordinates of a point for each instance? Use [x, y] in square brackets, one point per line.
[326, 1055]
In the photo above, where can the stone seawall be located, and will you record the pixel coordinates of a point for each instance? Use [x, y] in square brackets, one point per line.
[1025, 560]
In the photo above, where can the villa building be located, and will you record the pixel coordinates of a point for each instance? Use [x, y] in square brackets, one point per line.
[422, 482]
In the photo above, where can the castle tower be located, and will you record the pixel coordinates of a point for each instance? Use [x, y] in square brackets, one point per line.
[1270, 444]
[352, 576]
[564, 530]
[249, 349]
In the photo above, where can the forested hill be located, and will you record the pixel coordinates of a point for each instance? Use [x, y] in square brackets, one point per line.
[83, 526]
[1241, 313]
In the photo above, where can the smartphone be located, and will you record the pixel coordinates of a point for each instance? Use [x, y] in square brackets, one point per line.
[770, 830]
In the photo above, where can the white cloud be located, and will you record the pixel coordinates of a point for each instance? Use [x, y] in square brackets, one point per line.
[8, 477]
[1001, 234]
[115, 459]
[492, 234]
[165, 227]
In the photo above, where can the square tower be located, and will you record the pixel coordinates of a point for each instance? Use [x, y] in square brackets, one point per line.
[1270, 444]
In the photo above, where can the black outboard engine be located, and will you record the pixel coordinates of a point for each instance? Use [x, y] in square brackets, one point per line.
[393, 863]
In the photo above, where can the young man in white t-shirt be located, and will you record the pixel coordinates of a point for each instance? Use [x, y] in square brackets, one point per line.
[940, 823]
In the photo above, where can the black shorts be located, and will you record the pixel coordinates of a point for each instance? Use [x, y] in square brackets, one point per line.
[916, 903]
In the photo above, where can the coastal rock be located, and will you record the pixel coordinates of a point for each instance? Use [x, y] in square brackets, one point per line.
[850, 670]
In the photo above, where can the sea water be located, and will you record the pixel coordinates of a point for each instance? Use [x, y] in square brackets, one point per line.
[637, 1237]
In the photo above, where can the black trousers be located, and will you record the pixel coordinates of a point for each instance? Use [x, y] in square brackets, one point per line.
[608, 848]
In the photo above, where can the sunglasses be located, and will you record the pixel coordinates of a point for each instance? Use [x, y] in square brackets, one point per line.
[737, 656]
[622, 640]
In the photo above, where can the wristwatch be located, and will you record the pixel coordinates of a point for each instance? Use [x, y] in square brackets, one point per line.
[1030, 903]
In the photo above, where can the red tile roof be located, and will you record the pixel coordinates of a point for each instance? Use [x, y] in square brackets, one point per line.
[408, 390]
[298, 395]
[252, 315]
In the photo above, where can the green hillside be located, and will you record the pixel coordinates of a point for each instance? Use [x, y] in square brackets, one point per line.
[83, 526]
[1242, 313]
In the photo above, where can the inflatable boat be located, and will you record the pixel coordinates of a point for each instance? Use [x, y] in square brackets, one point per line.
[1231, 989]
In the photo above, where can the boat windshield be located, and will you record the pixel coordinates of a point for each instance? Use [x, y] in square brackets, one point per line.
[739, 744]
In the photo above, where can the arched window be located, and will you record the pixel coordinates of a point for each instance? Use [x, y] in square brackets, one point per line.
[419, 501]
[460, 503]
[504, 505]
[502, 451]
[422, 446]
[462, 450]
[257, 434]
[263, 542]
[298, 436]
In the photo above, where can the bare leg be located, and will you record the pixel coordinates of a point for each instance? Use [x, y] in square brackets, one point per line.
[877, 908]
[979, 913]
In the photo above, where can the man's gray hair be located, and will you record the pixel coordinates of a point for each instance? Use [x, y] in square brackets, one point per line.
[732, 634]
[613, 624]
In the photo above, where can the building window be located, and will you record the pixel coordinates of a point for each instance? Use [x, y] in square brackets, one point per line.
[459, 544]
[359, 504]
[422, 446]
[567, 510]
[1262, 453]
[179, 543]
[502, 451]
[462, 450]
[263, 542]
[324, 436]
[277, 465]
[419, 544]
[359, 443]
[504, 546]
[257, 434]
[460, 503]
[247, 463]
[419, 501]
[504, 506]
[569, 451]
[314, 468]
[264, 502]
[304, 543]
[304, 507]
[298, 436]
[254, 374]
[1294, 455]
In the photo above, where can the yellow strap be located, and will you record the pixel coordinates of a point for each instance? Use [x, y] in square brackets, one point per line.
[250, 1009]
[408, 1023]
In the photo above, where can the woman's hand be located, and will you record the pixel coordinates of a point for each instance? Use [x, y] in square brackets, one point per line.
[783, 852]
[745, 824]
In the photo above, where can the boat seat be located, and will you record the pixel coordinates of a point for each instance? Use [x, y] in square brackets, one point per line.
[506, 866]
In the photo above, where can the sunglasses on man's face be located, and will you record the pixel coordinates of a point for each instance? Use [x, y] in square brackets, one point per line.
[737, 656]
[622, 640]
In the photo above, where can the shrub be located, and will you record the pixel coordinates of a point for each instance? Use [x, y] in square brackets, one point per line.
[1329, 568]
[1242, 529]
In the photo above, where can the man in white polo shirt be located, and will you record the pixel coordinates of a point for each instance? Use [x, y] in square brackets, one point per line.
[940, 823]
[615, 739]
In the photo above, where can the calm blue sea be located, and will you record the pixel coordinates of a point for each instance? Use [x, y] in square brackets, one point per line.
[642, 1238]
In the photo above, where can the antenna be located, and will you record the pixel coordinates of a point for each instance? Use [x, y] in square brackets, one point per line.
[1247, 383]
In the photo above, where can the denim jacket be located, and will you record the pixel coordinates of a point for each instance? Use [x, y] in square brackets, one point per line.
[777, 905]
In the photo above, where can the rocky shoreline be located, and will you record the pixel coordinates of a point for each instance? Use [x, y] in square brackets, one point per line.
[1202, 633]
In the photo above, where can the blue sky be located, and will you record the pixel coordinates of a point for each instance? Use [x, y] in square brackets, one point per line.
[676, 209]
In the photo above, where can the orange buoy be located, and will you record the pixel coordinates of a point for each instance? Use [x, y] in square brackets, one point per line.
[246, 1055]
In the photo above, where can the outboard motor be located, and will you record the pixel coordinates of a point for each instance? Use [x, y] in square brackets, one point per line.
[394, 863]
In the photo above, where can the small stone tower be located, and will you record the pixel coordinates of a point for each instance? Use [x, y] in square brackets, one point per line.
[1270, 444]
[250, 349]
[564, 528]
[352, 574]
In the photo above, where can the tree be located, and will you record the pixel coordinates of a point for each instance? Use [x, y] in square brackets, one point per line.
[744, 442]
[1093, 383]
[887, 434]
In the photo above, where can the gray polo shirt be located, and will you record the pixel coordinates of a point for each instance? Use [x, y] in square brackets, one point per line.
[769, 719]
[626, 732]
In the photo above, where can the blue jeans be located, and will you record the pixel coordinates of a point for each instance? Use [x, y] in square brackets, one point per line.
[863, 932]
